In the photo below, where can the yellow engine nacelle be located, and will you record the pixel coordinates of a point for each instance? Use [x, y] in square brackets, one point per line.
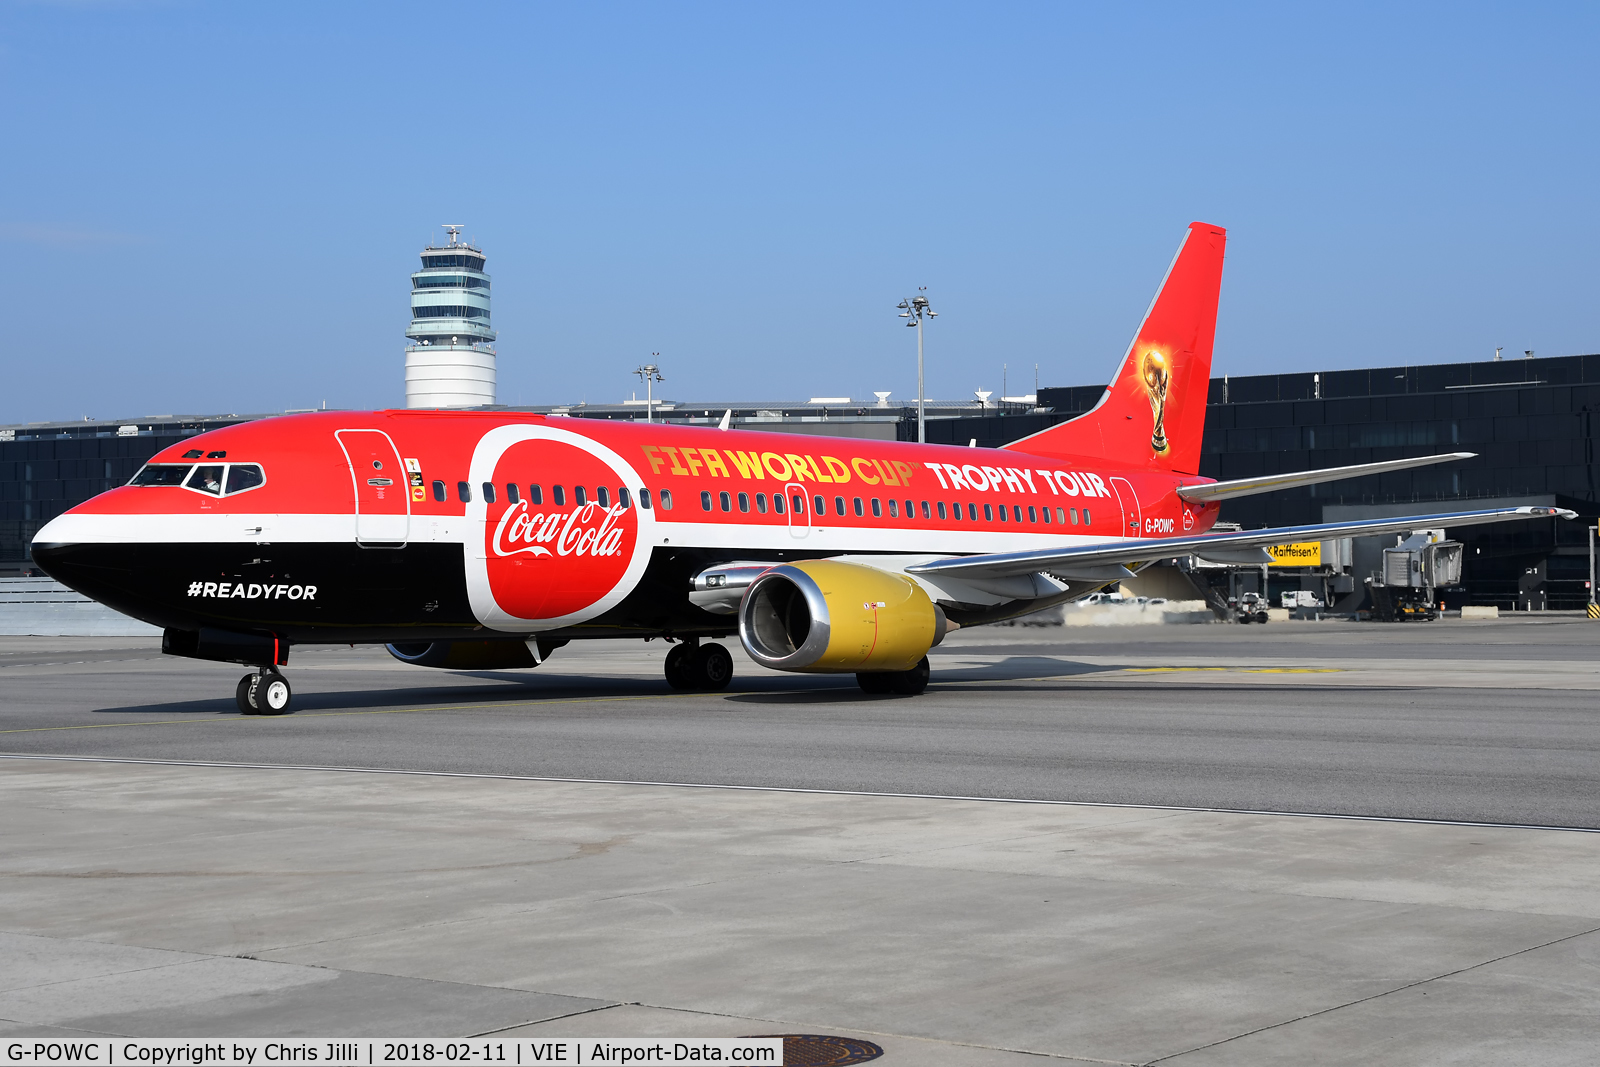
[820, 616]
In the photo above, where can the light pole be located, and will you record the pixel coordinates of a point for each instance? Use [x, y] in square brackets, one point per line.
[916, 309]
[650, 374]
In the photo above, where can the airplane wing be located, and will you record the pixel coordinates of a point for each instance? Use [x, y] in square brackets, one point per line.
[1269, 482]
[1246, 546]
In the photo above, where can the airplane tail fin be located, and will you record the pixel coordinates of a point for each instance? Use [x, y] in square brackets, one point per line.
[1154, 411]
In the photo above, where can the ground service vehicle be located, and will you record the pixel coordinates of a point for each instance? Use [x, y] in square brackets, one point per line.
[1250, 607]
[487, 539]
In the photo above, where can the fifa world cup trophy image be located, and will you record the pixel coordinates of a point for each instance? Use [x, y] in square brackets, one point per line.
[1156, 379]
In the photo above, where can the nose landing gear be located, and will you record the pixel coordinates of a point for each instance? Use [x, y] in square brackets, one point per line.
[264, 693]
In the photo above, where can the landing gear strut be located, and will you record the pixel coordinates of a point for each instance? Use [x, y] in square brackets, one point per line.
[264, 693]
[904, 683]
[699, 667]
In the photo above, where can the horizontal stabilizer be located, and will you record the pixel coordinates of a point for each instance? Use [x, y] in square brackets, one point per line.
[1067, 560]
[1268, 483]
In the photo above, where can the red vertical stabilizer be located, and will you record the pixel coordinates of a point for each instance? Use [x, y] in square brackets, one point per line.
[1153, 412]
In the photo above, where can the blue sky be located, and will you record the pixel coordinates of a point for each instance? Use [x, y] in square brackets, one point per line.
[215, 207]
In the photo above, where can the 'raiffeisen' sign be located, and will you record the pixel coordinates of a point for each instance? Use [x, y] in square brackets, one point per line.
[1300, 554]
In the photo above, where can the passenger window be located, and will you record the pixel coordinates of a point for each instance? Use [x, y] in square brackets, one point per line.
[988, 513]
[206, 480]
[242, 476]
[777, 504]
[892, 512]
[910, 513]
[558, 496]
[761, 503]
[877, 508]
[535, 494]
[579, 496]
[1016, 511]
[464, 492]
[1074, 513]
[512, 496]
[488, 492]
[438, 490]
[1046, 512]
[941, 509]
[820, 506]
[1086, 519]
[622, 497]
[705, 500]
[644, 499]
[859, 509]
[602, 496]
[666, 500]
[838, 505]
[798, 504]
[744, 503]
[725, 501]
[1061, 516]
[1002, 511]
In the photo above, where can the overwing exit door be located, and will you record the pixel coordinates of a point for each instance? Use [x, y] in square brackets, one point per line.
[799, 521]
[1132, 520]
[383, 504]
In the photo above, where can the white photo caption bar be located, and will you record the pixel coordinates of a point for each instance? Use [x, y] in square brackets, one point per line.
[370, 1052]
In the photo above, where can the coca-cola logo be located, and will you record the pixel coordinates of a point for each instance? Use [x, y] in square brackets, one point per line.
[561, 537]
[588, 530]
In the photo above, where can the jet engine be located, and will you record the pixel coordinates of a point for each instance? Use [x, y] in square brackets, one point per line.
[492, 655]
[825, 617]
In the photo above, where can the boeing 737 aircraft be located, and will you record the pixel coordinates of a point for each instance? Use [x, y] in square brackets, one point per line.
[486, 540]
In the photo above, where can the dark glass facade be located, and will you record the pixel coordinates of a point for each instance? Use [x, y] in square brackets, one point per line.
[1530, 421]
[44, 470]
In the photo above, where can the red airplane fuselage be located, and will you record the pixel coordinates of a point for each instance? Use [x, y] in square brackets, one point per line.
[410, 526]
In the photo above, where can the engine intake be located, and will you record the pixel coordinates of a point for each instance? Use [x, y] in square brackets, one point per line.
[826, 617]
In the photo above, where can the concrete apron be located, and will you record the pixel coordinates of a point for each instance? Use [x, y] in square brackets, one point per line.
[190, 901]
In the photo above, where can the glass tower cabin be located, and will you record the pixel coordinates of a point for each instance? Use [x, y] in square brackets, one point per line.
[450, 362]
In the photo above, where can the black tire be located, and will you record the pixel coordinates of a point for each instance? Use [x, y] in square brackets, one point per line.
[680, 666]
[273, 695]
[911, 683]
[873, 681]
[242, 695]
[1244, 619]
[713, 667]
[1261, 616]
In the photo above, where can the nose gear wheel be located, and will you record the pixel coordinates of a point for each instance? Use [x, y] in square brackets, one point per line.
[264, 693]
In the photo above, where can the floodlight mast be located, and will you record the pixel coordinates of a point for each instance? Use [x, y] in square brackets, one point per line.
[916, 309]
[649, 374]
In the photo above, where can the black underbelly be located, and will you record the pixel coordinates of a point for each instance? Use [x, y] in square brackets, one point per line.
[300, 592]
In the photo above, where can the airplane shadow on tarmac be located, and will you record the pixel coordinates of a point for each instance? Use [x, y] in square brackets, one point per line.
[509, 689]
[518, 688]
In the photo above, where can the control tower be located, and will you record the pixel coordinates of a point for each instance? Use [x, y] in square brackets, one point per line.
[450, 360]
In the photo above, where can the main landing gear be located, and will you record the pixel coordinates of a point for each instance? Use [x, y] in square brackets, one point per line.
[699, 667]
[902, 683]
[265, 692]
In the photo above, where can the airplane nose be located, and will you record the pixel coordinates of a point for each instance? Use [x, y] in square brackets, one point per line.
[102, 572]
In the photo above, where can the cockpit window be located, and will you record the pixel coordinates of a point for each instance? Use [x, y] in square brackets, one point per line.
[207, 479]
[212, 479]
[161, 474]
[242, 476]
